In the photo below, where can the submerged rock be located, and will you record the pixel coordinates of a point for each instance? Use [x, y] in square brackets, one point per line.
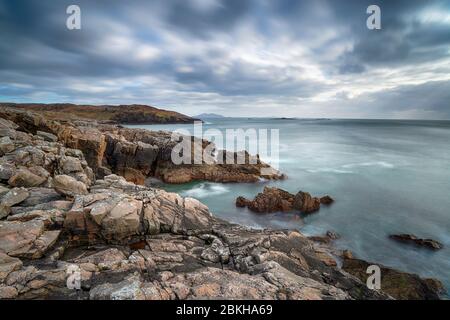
[412, 239]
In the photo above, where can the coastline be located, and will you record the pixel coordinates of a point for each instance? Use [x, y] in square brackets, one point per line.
[177, 247]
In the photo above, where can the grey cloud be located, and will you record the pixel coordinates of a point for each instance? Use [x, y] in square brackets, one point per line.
[40, 59]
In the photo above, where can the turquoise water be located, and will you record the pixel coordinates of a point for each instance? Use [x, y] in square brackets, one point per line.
[387, 176]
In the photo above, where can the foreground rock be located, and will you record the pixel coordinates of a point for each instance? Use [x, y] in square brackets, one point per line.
[275, 199]
[412, 239]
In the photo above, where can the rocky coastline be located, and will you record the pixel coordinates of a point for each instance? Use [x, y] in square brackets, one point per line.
[72, 197]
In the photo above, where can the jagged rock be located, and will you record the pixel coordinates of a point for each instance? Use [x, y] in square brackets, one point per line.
[305, 203]
[69, 186]
[400, 285]
[410, 238]
[275, 199]
[270, 200]
[13, 197]
[47, 136]
[25, 178]
[7, 265]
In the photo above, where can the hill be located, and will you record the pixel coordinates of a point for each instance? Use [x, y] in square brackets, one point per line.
[209, 116]
[126, 114]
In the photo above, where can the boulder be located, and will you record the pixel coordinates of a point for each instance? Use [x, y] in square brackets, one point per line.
[13, 197]
[70, 164]
[17, 238]
[47, 136]
[69, 186]
[25, 178]
[6, 145]
[7, 170]
[123, 219]
[412, 239]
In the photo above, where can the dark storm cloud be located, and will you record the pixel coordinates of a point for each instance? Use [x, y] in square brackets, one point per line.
[198, 53]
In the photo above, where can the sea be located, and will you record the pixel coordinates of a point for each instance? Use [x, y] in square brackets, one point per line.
[386, 176]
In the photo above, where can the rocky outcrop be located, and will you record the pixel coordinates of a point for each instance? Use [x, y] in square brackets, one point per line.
[275, 199]
[136, 153]
[400, 285]
[412, 239]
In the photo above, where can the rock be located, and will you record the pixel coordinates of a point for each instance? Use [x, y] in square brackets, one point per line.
[270, 200]
[13, 197]
[70, 164]
[305, 203]
[8, 292]
[25, 178]
[38, 195]
[123, 220]
[7, 170]
[68, 186]
[326, 200]
[6, 145]
[332, 235]
[47, 136]
[409, 238]
[347, 254]
[107, 259]
[278, 200]
[241, 202]
[128, 289]
[3, 190]
[7, 265]
[400, 285]
[18, 238]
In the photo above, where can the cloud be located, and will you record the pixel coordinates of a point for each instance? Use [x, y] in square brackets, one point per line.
[298, 58]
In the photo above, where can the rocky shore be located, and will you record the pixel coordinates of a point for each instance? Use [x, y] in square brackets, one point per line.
[72, 203]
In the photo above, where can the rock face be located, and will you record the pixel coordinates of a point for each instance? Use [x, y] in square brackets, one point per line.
[128, 241]
[135, 153]
[274, 200]
[412, 239]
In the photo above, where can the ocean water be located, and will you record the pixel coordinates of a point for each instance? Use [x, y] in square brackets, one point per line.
[386, 176]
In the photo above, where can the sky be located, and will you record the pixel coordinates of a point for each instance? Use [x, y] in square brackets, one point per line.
[232, 57]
